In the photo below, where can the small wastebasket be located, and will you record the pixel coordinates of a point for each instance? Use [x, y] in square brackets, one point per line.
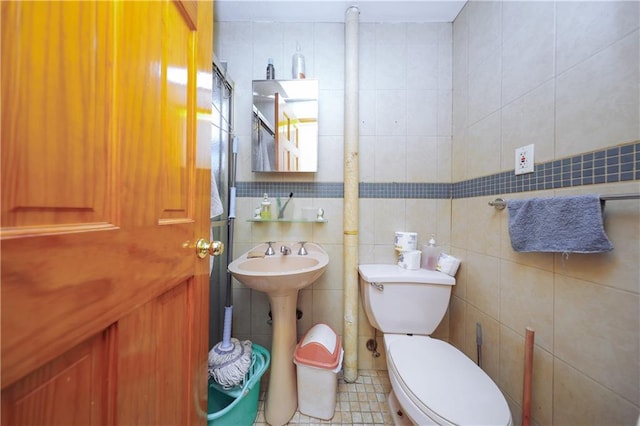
[318, 358]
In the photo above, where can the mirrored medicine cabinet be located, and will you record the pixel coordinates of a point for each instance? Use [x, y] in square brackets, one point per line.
[284, 136]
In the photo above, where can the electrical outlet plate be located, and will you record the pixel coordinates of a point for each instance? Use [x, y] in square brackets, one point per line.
[524, 159]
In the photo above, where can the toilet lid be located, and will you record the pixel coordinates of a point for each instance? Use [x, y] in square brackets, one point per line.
[443, 381]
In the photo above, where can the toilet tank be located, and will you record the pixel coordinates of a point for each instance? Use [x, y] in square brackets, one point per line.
[398, 300]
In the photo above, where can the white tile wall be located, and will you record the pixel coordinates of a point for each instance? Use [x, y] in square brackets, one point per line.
[526, 62]
[446, 103]
[484, 31]
[597, 99]
[563, 76]
[405, 136]
[578, 399]
[584, 28]
[484, 87]
[530, 119]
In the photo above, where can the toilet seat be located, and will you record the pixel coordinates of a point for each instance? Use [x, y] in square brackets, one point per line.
[443, 383]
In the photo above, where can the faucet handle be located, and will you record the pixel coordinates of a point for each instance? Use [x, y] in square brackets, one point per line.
[270, 251]
[303, 250]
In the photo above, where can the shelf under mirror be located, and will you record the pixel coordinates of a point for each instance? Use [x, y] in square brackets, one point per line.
[289, 220]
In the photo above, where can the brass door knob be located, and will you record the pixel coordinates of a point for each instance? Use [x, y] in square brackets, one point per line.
[213, 248]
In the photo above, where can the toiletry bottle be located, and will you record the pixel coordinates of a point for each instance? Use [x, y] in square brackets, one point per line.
[297, 68]
[271, 71]
[431, 253]
[265, 207]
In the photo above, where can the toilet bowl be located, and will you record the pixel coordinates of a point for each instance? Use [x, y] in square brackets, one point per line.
[432, 381]
[437, 384]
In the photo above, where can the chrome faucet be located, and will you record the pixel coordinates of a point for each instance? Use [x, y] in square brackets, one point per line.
[303, 251]
[285, 250]
[270, 251]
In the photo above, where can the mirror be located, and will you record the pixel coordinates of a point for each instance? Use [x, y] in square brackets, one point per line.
[284, 137]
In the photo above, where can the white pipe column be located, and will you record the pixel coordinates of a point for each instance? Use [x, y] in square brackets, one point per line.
[351, 196]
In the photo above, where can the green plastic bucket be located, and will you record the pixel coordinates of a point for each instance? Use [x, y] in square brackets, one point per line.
[239, 405]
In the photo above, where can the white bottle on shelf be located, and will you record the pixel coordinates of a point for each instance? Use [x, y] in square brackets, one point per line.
[297, 67]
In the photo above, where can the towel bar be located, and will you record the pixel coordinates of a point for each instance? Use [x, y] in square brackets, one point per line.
[619, 197]
[500, 203]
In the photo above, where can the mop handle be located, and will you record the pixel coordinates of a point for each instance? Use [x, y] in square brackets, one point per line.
[232, 202]
[232, 189]
[228, 309]
[226, 332]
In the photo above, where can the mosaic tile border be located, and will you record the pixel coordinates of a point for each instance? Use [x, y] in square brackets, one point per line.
[299, 189]
[336, 190]
[614, 164]
[610, 165]
[404, 190]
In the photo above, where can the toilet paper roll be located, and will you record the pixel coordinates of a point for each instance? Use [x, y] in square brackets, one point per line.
[448, 264]
[409, 259]
[406, 241]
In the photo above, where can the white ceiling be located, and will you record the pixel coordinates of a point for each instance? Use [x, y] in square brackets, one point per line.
[334, 10]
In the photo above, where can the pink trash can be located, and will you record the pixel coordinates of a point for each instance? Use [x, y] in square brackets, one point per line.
[318, 358]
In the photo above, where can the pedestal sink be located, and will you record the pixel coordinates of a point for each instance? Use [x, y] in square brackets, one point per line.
[281, 276]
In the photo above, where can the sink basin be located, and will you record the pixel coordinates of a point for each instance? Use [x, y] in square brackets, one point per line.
[281, 277]
[277, 264]
[279, 273]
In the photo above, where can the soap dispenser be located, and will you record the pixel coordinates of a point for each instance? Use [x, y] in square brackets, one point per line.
[430, 255]
[265, 207]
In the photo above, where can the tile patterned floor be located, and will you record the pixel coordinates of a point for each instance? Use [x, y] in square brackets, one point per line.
[360, 403]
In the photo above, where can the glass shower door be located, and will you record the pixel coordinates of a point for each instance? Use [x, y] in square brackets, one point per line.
[222, 129]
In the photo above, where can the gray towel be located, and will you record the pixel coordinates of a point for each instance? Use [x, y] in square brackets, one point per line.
[558, 224]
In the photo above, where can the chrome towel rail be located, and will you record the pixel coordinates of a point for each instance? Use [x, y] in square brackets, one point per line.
[619, 197]
[500, 203]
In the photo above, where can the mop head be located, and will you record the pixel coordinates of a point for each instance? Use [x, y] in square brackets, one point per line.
[228, 367]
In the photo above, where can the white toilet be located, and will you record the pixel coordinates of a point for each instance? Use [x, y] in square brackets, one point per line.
[432, 381]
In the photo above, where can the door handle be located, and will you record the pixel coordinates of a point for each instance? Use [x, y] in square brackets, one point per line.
[213, 248]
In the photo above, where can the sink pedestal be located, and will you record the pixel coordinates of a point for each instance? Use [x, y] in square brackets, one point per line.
[282, 395]
[281, 277]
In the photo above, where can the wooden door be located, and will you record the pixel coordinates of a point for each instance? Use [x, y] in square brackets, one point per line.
[105, 189]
